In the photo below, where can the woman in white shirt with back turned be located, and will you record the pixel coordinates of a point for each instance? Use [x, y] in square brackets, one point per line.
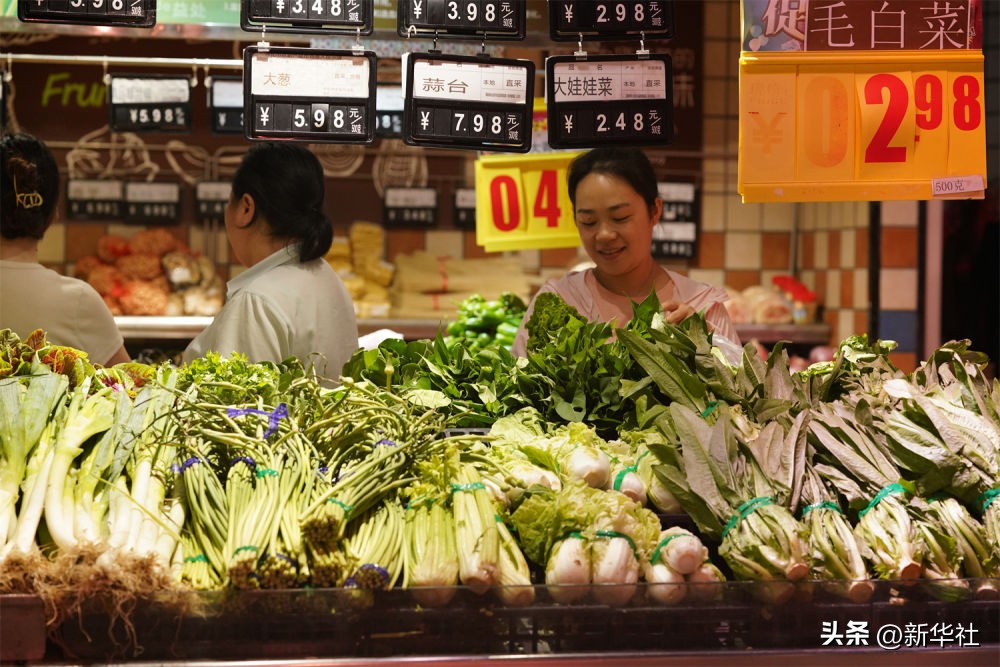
[288, 302]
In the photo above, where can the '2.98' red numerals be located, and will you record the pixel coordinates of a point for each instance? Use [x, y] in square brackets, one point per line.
[928, 98]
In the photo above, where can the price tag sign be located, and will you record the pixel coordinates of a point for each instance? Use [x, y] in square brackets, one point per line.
[94, 200]
[212, 198]
[410, 207]
[465, 208]
[468, 102]
[601, 100]
[676, 234]
[471, 19]
[309, 95]
[127, 13]
[150, 103]
[388, 111]
[225, 103]
[152, 202]
[572, 20]
[862, 126]
[522, 202]
[308, 16]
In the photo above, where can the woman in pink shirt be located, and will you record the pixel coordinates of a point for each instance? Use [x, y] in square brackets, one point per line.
[616, 206]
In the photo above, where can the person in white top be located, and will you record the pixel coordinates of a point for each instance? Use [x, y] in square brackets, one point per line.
[70, 311]
[288, 302]
[616, 205]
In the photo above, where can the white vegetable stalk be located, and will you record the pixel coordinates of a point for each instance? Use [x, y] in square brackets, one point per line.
[476, 535]
[567, 572]
[680, 550]
[431, 558]
[589, 464]
[658, 494]
[514, 576]
[627, 480]
[705, 583]
[664, 584]
[529, 474]
[85, 417]
[614, 570]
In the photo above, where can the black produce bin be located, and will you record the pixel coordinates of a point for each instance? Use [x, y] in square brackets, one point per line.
[299, 624]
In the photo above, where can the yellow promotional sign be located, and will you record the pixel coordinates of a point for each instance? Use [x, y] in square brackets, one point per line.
[861, 126]
[522, 202]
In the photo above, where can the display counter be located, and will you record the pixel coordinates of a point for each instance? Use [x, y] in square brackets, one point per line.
[903, 623]
[151, 329]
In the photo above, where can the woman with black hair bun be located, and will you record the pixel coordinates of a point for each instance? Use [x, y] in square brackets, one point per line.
[288, 302]
[70, 311]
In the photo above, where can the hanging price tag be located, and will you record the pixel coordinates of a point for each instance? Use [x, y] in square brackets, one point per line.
[318, 17]
[465, 208]
[410, 207]
[468, 102]
[127, 13]
[212, 198]
[620, 100]
[152, 202]
[458, 19]
[572, 20]
[94, 200]
[225, 102]
[309, 94]
[150, 103]
[860, 126]
[523, 203]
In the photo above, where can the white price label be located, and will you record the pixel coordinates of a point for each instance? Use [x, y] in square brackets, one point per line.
[227, 93]
[213, 191]
[410, 197]
[152, 192]
[675, 231]
[161, 90]
[94, 190]
[465, 198]
[608, 80]
[679, 192]
[328, 76]
[471, 82]
[956, 186]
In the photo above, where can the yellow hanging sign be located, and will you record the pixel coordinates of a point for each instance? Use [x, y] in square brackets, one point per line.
[861, 126]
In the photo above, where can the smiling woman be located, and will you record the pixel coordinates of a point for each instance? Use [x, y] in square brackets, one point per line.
[616, 207]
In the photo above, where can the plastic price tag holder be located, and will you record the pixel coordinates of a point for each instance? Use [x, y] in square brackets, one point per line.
[410, 207]
[225, 103]
[152, 203]
[314, 95]
[212, 198]
[389, 111]
[149, 103]
[462, 19]
[311, 17]
[119, 13]
[88, 199]
[604, 20]
[468, 102]
[609, 100]
[464, 208]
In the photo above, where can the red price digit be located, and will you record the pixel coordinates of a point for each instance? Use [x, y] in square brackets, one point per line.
[547, 199]
[928, 95]
[504, 190]
[879, 149]
[967, 111]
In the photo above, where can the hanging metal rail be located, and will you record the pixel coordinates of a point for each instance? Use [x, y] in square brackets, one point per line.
[187, 63]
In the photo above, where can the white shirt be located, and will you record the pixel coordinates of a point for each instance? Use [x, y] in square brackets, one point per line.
[281, 307]
[70, 311]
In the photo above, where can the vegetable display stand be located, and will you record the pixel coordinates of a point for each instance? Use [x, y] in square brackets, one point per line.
[727, 618]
